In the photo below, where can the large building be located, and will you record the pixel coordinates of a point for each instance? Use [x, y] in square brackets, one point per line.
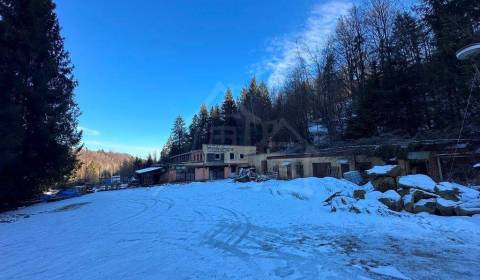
[212, 162]
[440, 159]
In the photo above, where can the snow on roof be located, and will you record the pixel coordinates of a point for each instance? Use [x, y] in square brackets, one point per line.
[477, 165]
[145, 170]
[380, 170]
[419, 181]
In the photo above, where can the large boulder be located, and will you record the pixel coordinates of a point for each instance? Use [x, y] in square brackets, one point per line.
[408, 202]
[383, 184]
[468, 194]
[413, 196]
[402, 192]
[418, 181]
[420, 194]
[446, 207]
[359, 194]
[468, 208]
[385, 171]
[448, 191]
[456, 192]
[392, 200]
[425, 205]
[353, 176]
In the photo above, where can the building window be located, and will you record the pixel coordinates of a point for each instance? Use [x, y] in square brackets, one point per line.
[242, 156]
[217, 156]
[232, 156]
[299, 170]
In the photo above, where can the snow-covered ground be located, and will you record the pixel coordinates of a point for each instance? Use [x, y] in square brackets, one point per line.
[223, 230]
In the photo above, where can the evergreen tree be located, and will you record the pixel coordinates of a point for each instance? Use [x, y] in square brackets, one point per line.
[264, 103]
[409, 44]
[179, 137]
[38, 113]
[215, 125]
[453, 25]
[149, 161]
[329, 99]
[228, 114]
[166, 151]
[229, 109]
[202, 128]
[193, 134]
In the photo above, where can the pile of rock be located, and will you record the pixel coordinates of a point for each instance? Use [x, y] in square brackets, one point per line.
[419, 193]
[383, 178]
[249, 175]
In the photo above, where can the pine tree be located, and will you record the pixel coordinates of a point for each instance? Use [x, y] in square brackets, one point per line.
[203, 128]
[179, 137]
[38, 113]
[264, 106]
[193, 134]
[228, 113]
[166, 152]
[453, 25]
[229, 108]
[215, 125]
[149, 162]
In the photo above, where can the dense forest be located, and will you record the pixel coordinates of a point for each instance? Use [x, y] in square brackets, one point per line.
[95, 165]
[387, 72]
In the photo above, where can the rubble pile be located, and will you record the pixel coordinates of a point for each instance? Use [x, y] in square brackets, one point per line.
[420, 193]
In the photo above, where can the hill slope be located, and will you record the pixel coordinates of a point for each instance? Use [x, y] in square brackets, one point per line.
[97, 164]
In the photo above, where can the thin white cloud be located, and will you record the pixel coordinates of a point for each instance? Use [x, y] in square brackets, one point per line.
[88, 131]
[283, 53]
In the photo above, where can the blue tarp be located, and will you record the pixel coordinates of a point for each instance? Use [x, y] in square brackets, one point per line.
[63, 194]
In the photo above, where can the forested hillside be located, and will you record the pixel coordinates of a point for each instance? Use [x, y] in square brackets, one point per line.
[387, 71]
[95, 165]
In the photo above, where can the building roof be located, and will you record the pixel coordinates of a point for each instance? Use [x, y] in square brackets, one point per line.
[146, 170]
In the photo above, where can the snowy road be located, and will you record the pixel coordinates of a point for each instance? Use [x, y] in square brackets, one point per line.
[229, 231]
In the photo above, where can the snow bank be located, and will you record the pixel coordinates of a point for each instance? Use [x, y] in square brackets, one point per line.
[477, 165]
[318, 189]
[234, 231]
[334, 194]
[381, 170]
[389, 271]
[418, 181]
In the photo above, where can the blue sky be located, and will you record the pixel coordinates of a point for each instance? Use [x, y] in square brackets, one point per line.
[141, 63]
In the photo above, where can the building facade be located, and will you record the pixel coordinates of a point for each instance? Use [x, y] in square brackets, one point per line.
[212, 162]
[441, 160]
